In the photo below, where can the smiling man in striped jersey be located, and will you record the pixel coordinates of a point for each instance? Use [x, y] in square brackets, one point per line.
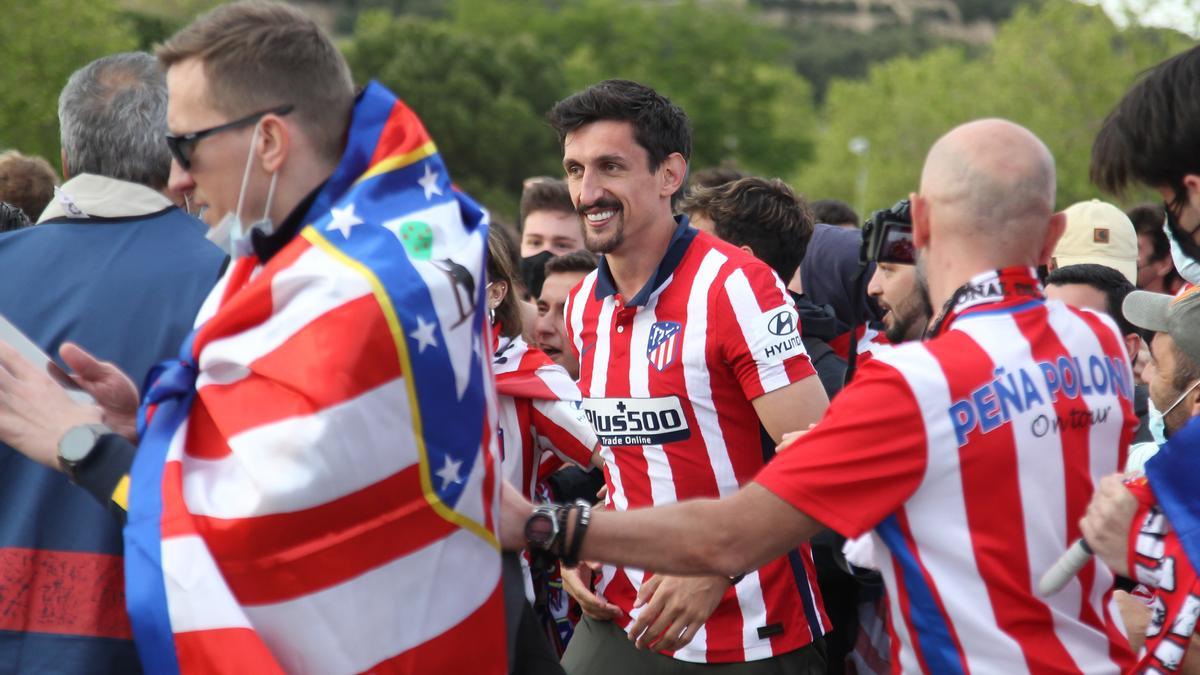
[964, 517]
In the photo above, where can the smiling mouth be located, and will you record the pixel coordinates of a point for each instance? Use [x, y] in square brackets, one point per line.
[599, 217]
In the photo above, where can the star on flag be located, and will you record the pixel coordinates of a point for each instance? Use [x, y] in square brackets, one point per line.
[449, 472]
[343, 220]
[430, 182]
[424, 335]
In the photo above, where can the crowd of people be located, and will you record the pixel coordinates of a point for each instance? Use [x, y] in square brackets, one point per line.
[315, 410]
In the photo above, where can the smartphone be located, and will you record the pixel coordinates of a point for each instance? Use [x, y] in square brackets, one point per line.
[13, 336]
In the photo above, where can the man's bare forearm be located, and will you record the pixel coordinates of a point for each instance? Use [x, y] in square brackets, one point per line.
[728, 536]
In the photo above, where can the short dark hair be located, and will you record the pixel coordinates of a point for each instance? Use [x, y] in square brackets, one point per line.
[715, 175]
[1186, 371]
[12, 218]
[659, 126]
[575, 261]
[764, 214]
[1148, 219]
[1105, 279]
[503, 265]
[1152, 136]
[834, 212]
[545, 194]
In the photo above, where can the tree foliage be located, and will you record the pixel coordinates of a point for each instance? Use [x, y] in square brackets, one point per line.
[482, 99]
[44, 42]
[1057, 69]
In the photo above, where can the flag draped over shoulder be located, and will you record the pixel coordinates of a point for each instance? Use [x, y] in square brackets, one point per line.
[316, 486]
[524, 372]
[1172, 475]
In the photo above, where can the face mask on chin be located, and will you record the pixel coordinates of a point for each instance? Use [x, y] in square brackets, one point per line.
[1185, 253]
[230, 234]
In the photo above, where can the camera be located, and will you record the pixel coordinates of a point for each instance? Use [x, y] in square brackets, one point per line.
[887, 236]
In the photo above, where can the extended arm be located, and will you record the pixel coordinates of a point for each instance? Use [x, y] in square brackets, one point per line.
[728, 536]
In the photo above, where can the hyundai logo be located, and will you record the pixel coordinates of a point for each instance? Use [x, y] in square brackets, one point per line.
[783, 323]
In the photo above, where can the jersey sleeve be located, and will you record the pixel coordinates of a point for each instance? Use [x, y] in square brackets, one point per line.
[759, 332]
[560, 427]
[864, 459]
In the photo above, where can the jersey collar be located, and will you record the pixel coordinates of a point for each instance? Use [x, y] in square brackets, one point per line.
[680, 240]
[1005, 290]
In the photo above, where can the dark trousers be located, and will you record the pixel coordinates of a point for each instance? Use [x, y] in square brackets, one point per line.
[602, 648]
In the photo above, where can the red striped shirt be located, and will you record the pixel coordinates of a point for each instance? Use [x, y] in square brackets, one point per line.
[668, 378]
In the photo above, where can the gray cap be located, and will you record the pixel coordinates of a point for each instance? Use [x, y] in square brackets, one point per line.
[1176, 315]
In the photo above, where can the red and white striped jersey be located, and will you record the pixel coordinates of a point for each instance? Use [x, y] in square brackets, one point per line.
[667, 378]
[539, 414]
[972, 456]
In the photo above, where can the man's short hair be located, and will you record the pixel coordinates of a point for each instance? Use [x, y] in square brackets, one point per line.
[834, 212]
[1152, 136]
[659, 126]
[26, 182]
[546, 194]
[715, 175]
[12, 218]
[1108, 281]
[112, 117]
[764, 214]
[1148, 220]
[258, 55]
[575, 261]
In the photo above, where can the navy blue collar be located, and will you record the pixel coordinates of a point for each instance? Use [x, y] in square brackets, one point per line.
[680, 240]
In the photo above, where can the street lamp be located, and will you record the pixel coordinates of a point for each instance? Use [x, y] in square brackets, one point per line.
[860, 147]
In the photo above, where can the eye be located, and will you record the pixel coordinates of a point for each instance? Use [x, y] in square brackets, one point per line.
[574, 171]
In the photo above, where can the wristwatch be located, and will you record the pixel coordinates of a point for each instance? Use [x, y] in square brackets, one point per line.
[76, 446]
[541, 529]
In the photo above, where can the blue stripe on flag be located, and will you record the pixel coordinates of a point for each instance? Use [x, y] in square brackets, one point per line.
[145, 590]
[1172, 474]
[933, 633]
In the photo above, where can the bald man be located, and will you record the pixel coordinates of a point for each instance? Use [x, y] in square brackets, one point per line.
[969, 457]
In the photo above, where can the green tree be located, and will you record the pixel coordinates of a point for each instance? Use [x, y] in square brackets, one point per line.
[1057, 69]
[729, 71]
[44, 42]
[482, 99]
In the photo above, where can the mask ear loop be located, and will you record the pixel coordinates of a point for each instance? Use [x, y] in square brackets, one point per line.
[246, 173]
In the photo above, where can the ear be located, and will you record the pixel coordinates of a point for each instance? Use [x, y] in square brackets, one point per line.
[1058, 224]
[62, 156]
[919, 209]
[1133, 345]
[747, 249]
[1191, 181]
[673, 171]
[496, 293]
[274, 142]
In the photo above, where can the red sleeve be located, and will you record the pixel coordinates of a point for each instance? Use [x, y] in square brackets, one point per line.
[759, 332]
[864, 459]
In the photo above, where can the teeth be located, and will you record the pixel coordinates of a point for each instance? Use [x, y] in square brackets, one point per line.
[600, 215]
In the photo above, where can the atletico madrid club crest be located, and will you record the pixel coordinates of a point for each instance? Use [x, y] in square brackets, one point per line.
[663, 344]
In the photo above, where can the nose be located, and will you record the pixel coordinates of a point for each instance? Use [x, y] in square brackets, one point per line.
[180, 182]
[591, 188]
[543, 327]
[875, 286]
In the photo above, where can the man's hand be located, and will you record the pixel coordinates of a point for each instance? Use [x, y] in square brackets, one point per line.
[115, 393]
[791, 437]
[514, 511]
[1107, 522]
[674, 608]
[577, 581]
[35, 411]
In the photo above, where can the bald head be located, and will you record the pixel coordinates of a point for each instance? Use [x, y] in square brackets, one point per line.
[992, 181]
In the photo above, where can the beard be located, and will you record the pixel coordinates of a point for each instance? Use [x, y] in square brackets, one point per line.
[609, 241]
[909, 319]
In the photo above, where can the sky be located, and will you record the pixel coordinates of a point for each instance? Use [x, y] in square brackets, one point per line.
[1183, 15]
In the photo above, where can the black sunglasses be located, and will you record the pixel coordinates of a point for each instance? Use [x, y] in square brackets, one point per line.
[183, 145]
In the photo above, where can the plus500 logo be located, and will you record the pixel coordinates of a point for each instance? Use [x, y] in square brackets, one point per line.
[637, 421]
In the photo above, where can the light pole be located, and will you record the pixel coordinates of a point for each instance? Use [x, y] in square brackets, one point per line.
[860, 147]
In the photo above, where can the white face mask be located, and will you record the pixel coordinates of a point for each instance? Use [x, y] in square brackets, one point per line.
[1187, 268]
[1154, 420]
[230, 234]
